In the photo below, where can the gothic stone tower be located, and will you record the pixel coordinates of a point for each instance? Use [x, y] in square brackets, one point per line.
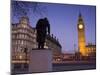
[81, 36]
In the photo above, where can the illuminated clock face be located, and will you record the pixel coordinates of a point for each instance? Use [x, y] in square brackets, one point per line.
[80, 26]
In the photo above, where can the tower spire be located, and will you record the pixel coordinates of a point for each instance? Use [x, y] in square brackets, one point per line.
[80, 19]
[80, 14]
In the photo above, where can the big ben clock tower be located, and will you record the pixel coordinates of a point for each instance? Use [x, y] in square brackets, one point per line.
[81, 36]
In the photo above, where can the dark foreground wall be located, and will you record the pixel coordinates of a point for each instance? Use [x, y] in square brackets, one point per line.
[73, 67]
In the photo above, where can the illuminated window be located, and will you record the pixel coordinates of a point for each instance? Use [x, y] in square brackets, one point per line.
[20, 57]
[22, 42]
[13, 36]
[26, 36]
[25, 31]
[16, 41]
[24, 26]
[19, 41]
[34, 35]
[35, 46]
[14, 31]
[22, 36]
[34, 40]
[17, 36]
[25, 42]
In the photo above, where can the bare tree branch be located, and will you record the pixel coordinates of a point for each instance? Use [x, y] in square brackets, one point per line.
[21, 8]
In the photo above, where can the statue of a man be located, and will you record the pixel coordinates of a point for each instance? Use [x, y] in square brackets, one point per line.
[42, 27]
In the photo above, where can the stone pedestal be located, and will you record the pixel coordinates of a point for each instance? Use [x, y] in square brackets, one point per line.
[40, 60]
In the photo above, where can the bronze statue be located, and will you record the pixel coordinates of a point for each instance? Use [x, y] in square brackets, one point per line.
[43, 27]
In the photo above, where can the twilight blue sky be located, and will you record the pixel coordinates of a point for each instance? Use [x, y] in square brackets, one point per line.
[63, 19]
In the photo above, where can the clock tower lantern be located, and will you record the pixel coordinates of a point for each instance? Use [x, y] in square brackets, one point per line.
[81, 36]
